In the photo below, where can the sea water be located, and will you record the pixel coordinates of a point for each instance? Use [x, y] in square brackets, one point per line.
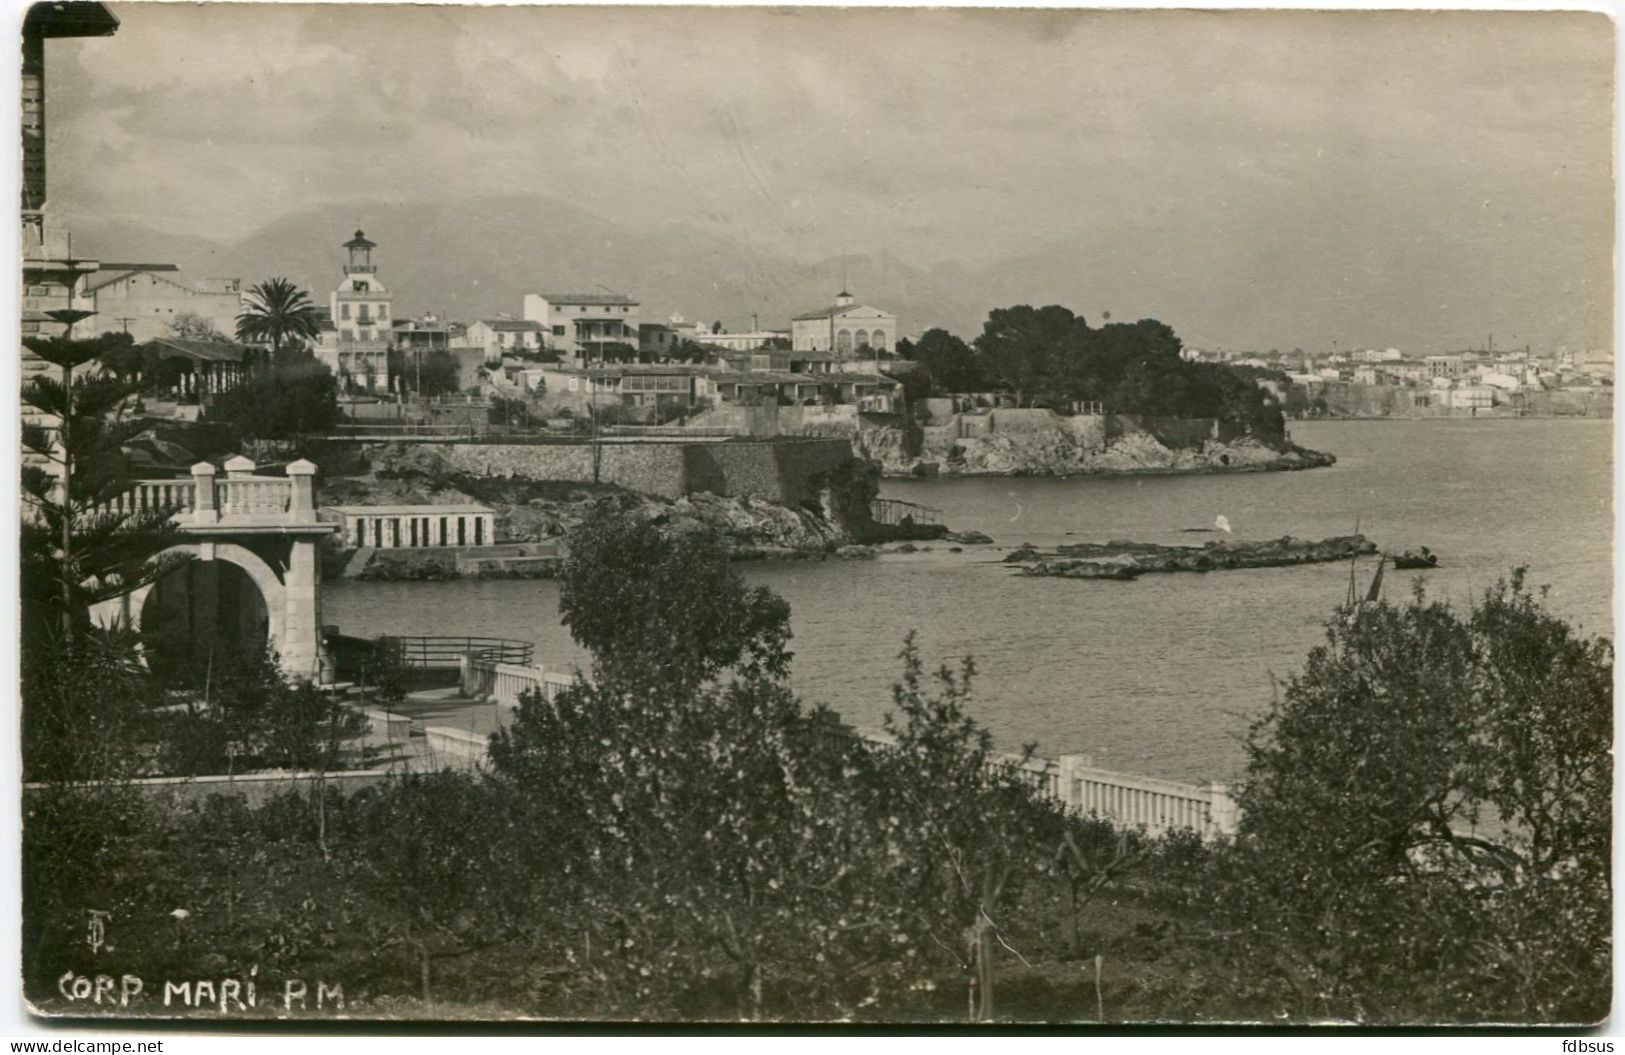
[1161, 675]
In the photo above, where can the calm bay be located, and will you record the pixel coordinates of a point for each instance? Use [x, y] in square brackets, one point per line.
[1159, 675]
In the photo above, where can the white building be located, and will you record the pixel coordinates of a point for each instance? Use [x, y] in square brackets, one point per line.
[499, 336]
[393, 527]
[584, 324]
[356, 349]
[743, 342]
[846, 326]
[145, 300]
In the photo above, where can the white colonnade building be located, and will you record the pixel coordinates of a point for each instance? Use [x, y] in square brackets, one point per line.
[426, 526]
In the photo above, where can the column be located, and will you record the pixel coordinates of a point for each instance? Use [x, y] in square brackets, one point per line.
[302, 503]
[1223, 813]
[204, 510]
[301, 623]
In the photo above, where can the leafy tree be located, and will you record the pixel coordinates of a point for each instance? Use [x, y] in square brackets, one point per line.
[85, 709]
[687, 351]
[190, 326]
[121, 357]
[502, 411]
[685, 616]
[277, 311]
[296, 397]
[949, 363]
[972, 832]
[1024, 347]
[244, 714]
[1430, 797]
[437, 375]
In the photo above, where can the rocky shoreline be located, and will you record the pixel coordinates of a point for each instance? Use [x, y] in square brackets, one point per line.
[1128, 560]
[531, 512]
[1056, 451]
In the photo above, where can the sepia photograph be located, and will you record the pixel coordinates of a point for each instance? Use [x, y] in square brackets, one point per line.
[966, 518]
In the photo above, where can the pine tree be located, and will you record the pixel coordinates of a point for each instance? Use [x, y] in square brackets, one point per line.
[77, 551]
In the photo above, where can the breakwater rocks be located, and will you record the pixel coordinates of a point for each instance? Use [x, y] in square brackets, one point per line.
[1042, 443]
[1129, 560]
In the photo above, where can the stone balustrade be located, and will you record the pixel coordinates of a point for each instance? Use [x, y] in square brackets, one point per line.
[503, 683]
[239, 498]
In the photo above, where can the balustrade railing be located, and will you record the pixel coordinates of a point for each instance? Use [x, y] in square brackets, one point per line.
[253, 496]
[205, 498]
[503, 683]
[154, 495]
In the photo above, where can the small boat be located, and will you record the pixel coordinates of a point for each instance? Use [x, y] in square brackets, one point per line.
[1411, 560]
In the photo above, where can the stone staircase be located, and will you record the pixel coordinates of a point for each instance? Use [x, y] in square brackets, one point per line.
[358, 561]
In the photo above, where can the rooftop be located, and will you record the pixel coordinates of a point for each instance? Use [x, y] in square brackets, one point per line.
[513, 325]
[202, 351]
[590, 299]
[839, 309]
[390, 511]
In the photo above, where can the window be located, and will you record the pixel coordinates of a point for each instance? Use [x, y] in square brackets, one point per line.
[558, 331]
[358, 287]
[344, 311]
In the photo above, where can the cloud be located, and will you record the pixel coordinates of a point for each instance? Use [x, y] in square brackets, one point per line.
[939, 134]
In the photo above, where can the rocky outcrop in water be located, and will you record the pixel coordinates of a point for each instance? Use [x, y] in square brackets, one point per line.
[1045, 444]
[1128, 560]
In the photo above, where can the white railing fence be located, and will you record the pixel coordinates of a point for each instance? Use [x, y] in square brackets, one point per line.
[1126, 799]
[503, 683]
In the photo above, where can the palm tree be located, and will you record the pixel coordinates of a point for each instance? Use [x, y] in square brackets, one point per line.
[274, 311]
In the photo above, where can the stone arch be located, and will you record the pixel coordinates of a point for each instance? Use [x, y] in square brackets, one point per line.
[843, 341]
[861, 338]
[877, 340]
[127, 609]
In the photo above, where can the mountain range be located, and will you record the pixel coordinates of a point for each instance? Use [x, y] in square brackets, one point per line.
[474, 258]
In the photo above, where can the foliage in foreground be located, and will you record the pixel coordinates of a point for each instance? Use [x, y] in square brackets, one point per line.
[1431, 798]
[705, 845]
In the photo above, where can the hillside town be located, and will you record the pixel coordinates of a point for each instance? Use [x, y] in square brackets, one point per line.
[578, 355]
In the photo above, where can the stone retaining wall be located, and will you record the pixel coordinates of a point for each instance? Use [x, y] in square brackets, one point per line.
[784, 471]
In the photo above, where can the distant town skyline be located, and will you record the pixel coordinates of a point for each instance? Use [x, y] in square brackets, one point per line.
[1255, 179]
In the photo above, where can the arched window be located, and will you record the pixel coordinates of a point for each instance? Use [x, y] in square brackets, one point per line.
[877, 340]
[843, 341]
[863, 338]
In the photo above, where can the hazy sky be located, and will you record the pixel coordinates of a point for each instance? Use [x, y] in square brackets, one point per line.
[1267, 140]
